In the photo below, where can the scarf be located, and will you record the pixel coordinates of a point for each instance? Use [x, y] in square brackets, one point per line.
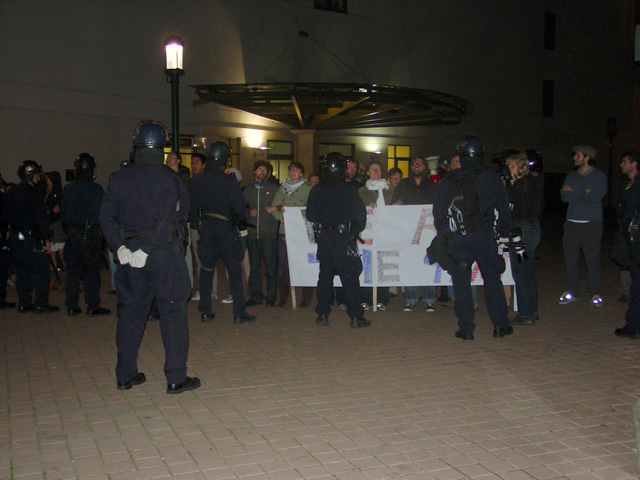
[258, 183]
[380, 186]
[289, 186]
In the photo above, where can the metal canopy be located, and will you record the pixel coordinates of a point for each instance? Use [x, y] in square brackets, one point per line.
[329, 106]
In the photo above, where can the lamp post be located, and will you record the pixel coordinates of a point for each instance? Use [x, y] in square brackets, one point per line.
[173, 69]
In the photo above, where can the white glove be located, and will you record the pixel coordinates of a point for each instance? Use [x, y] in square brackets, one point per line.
[124, 255]
[138, 259]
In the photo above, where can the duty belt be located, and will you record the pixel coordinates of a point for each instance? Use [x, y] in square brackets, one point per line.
[129, 234]
[214, 215]
[340, 228]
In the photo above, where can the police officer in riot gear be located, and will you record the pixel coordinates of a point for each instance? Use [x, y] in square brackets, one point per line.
[144, 205]
[80, 208]
[465, 203]
[339, 216]
[217, 201]
[24, 212]
[5, 256]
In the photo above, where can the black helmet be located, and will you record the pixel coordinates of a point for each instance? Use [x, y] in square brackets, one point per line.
[218, 154]
[150, 134]
[470, 146]
[334, 165]
[534, 160]
[28, 169]
[85, 161]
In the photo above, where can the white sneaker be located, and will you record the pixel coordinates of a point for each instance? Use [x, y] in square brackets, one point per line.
[409, 307]
[381, 306]
[366, 306]
[195, 297]
[566, 298]
[596, 301]
[229, 299]
[429, 307]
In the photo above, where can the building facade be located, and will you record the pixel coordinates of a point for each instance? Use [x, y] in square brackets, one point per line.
[79, 75]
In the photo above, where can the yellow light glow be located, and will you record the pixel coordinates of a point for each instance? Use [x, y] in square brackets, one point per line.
[254, 138]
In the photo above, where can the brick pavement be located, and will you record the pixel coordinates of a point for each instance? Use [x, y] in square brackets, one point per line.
[284, 399]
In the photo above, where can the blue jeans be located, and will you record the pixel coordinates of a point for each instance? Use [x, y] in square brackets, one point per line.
[428, 295]
[523, 272]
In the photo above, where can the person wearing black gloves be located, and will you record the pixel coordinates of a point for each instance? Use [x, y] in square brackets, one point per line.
[338, 216]
[83, 253]
[145, 205]
[465, 203]
[218, 203]
[23, 210]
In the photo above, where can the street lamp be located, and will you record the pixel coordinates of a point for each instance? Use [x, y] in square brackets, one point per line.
[173, 62]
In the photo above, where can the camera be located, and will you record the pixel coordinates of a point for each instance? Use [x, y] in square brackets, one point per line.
[500, 164]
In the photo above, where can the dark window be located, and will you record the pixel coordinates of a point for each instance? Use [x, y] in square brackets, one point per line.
[547, 98]
[549, 31]
[339, 6]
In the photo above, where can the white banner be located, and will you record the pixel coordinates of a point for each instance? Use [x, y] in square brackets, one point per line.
[394, 253]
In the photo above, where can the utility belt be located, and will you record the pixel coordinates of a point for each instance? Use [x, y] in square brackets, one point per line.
[80, 227]
[210, 216]
[131, 234]
[341, 228]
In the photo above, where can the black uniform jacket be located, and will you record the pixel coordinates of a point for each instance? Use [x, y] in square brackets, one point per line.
[81, 202]
[216, 192]
[335, 203]
[23, 209]
[143, 198]
[491, 195]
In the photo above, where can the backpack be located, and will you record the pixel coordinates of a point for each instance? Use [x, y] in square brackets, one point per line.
[464, 211]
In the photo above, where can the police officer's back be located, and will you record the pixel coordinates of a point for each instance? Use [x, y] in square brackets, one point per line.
[339, 216]
[24, 212]
[144, 205]
[83, 253]
[465, 203]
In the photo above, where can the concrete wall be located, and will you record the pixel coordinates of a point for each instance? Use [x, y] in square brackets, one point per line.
[78, 75]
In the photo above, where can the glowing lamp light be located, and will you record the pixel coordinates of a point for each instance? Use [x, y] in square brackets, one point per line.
[173, 47]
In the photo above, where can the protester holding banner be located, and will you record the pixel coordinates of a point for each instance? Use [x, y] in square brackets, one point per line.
[417, 189]
[294, 191]
[376, 192]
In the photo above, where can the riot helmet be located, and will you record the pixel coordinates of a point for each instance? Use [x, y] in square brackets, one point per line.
[218, 154]
[150, 134]
[28, 169]
[334, 166]
[85, 161]
[534, 160]
[85, 165]
[470, 146]
[149, 139]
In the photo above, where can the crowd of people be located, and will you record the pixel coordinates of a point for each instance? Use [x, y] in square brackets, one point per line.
[160, 220]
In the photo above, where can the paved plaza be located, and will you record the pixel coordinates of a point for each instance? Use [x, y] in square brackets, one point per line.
[284, 399]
